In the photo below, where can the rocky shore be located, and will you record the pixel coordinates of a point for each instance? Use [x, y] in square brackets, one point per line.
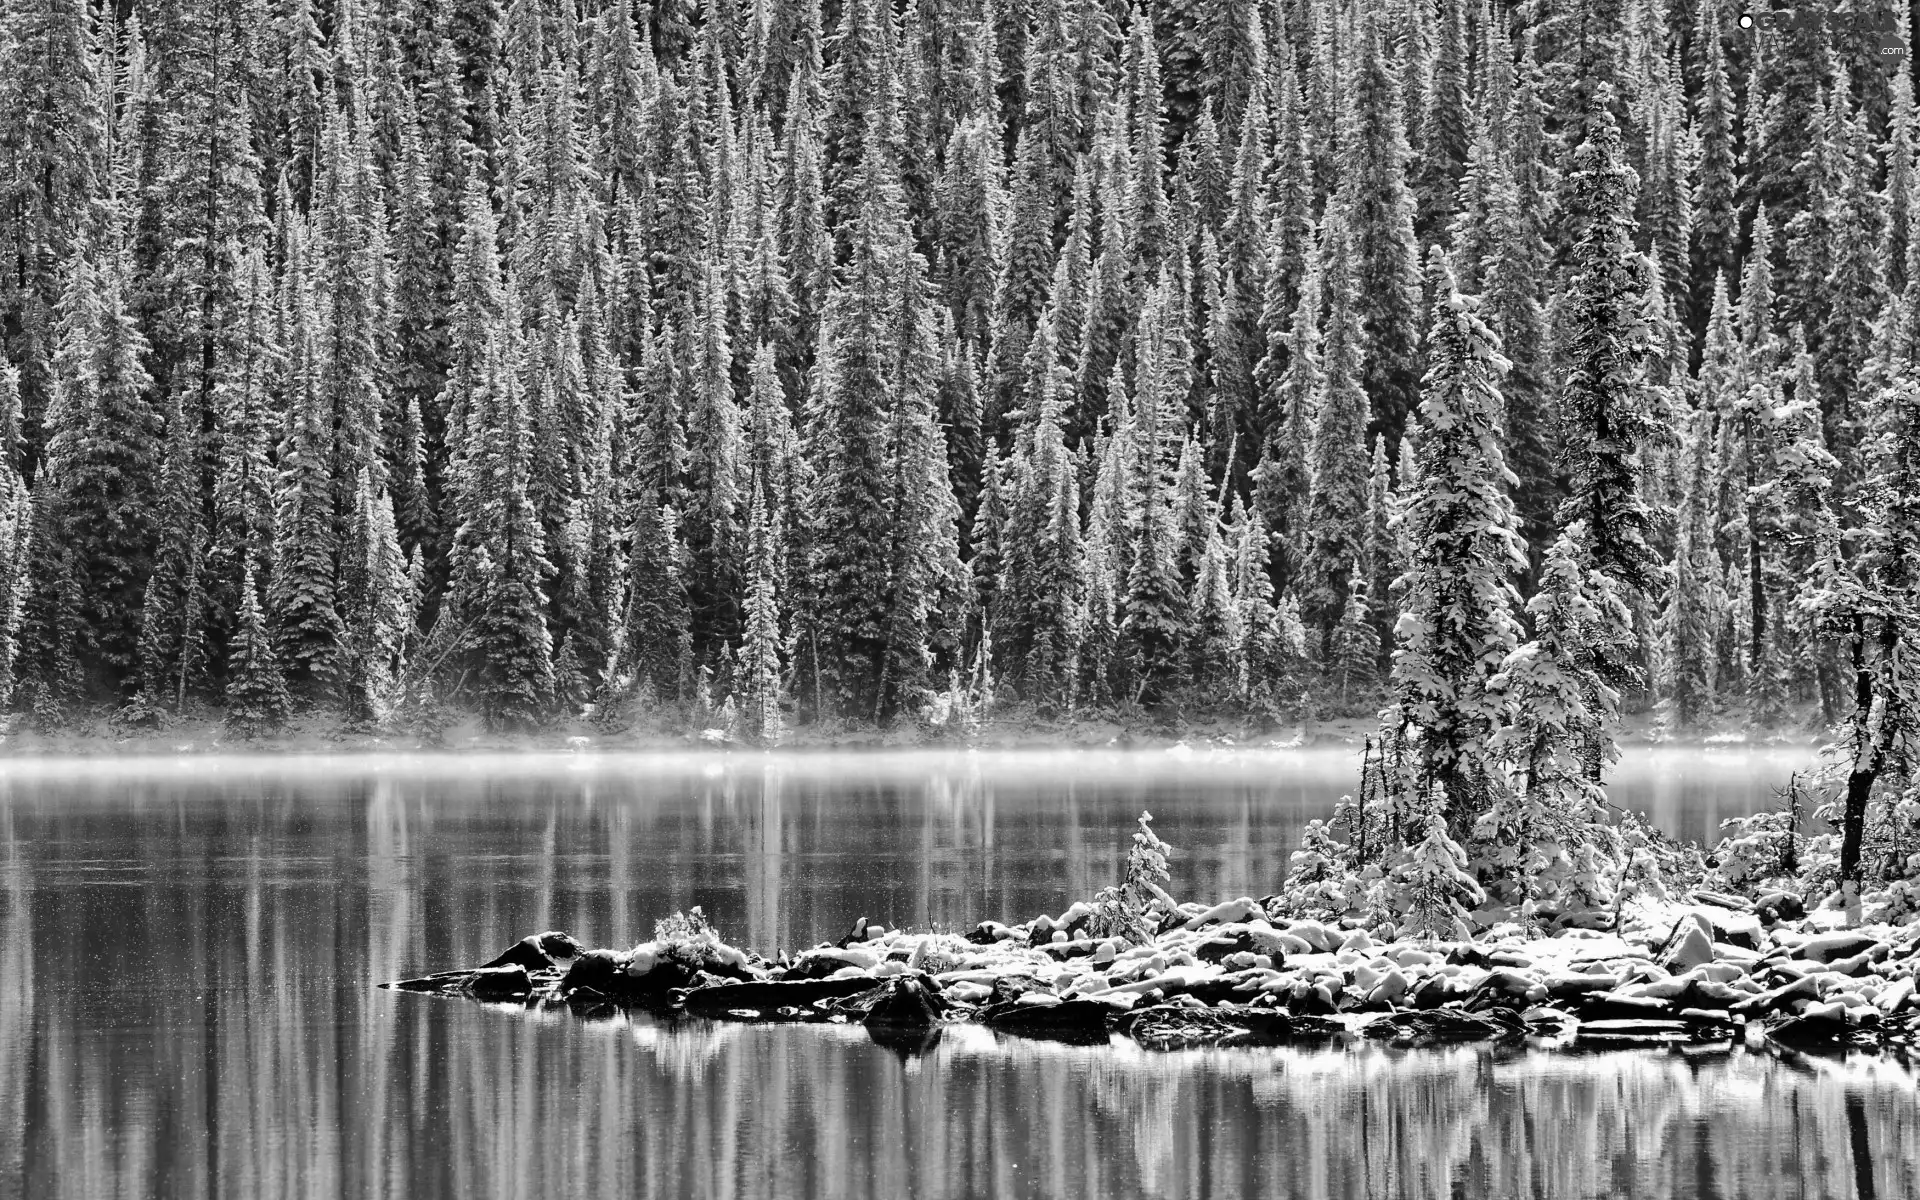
[1695, 974]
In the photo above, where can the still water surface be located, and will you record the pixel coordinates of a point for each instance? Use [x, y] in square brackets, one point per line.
[188, 948]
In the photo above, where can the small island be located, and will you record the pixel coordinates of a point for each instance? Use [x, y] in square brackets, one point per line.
[1693, 970]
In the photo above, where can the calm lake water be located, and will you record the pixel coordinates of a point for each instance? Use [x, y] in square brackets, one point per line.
[188, 950]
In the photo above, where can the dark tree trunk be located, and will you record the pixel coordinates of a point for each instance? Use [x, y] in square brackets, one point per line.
[1869, 753]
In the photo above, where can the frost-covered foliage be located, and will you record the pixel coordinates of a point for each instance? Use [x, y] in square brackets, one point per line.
[1121, 910]
[1321, 882]
[683, 927]
[1458, 625]
[1799, 851]
[1147, 875]
[1650, 863]
[1554, 742]
[950, 300]
[687, 941]
[1431, 891]
[1759, 850]
[257, 693]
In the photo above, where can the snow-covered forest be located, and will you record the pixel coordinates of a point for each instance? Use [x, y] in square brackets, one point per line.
[850, 362]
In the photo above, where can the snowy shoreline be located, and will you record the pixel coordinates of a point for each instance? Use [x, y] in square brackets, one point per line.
[1699, 975]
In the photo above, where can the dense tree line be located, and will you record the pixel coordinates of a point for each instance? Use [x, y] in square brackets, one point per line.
[1507, 362]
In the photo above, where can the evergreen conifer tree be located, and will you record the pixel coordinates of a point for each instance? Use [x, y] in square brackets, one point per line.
[1378, 212]
[256, 693]
[1687, 621]
[851, 509]
[1432, 886]
[16, 528]
[499, 561]
[1352, 657]
[760, 650]
[1335, 532]
[1153, 625]
[102, 458]
[1457, 625]
[1283, 480]
[1606, 402]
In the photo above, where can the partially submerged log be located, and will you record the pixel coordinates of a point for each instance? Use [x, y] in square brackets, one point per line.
[768, 996]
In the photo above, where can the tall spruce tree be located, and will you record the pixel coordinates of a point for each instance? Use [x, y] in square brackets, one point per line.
[851, 511]
[1606, 400]
[1378, 211]
[1458, 622]
[1334, 538]
[256, 694]
[16, 528]
[102, 466]
[499, 564]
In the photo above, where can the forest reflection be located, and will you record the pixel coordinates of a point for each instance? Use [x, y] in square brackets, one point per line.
[186, 1006]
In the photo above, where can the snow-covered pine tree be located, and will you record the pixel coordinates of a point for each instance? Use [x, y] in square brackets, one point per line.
[16, 528]
[422, 286]
[1239, 343]
[1291, 370]
[971, 210]
[1865, 596]
[1716, 224]
[711, 523]
[1558, 734]
[50, 189]
[761, 680]
[1146, 190]
[1335, 531]
[256, 693]
[1039, 601]
[1213, 620]
[851, 511]
[1606, 400]
[1687, 622]
[1380, 548]
[926, 593]
[1260, 654]
[1512, 275]
[1153, 625]
[1377, 212]
[959, 395]
[498, 562]
[205, 192]
[1193, 509]
[1903, 184]
[1854, 288]
[349, 268]
[1431, 887]
[1020, 293]
[173, 642]
[301, 597]
[102, 456]
[380, 605]
[1457, 624]
[1352, 659]
[1446, 134]
[245, 422]
[1117, 286]
[1291, 181]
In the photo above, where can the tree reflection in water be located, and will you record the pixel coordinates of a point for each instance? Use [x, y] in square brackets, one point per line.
[186, 961]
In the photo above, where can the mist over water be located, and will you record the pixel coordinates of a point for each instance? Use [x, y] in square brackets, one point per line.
[188, 948]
